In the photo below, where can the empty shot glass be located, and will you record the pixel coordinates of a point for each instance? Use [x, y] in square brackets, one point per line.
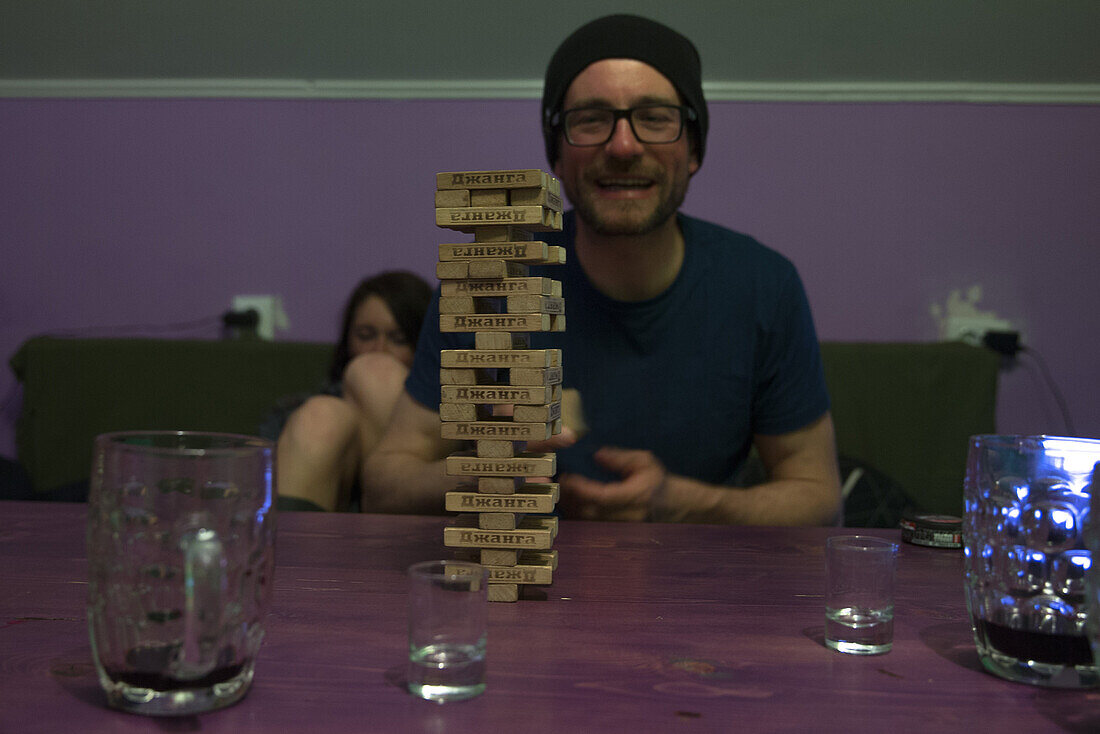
[448, 603]
[859, 595]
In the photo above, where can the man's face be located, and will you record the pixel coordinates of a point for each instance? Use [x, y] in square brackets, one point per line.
[624, 187]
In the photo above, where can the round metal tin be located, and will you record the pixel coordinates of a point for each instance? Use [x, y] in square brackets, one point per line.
[934, 531]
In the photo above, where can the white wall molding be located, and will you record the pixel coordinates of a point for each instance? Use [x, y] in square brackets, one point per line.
[983, 93]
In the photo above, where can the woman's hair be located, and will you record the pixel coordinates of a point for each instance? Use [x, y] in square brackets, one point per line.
[405, 294]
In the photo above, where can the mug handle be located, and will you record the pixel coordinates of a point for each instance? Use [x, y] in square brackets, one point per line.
[204, 579]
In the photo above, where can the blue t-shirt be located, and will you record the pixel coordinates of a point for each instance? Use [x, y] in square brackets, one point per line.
[727, 351]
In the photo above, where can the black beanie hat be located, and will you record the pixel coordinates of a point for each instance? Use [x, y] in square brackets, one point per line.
[624, 37]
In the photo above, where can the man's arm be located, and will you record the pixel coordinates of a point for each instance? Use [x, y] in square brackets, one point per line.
[803, 486]
[405, 472]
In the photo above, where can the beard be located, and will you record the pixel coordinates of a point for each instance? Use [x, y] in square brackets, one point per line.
[629, 217]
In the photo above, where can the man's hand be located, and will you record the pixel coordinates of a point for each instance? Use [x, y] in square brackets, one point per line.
[803, 486]
[638, 496]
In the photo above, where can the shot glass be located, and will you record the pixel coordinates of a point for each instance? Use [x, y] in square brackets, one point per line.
[859, 597]
[448, 603]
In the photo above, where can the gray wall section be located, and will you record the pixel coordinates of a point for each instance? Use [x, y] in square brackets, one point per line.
[813, 41]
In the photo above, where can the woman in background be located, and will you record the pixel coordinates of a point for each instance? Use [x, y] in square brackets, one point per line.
[324, 440]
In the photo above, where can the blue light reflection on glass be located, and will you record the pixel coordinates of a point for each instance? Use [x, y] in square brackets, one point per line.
[1064, 519]
[269, 490]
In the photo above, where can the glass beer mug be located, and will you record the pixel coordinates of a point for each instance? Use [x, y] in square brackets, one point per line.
[181, 530]
[1092, 579]
[1027, 503]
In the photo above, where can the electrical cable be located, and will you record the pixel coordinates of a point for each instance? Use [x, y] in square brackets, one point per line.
[1053, 386]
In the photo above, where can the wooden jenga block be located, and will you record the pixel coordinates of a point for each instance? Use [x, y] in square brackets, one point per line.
[473, 430]
[459, 412]
[530, 252]
[518, 376]
[473, 304]
[508, 558]
[537, 413]
[451, 412]
[460, 269]
[468, 358]
[497, 557]
[471, 536]
[531, 499]
[497, 269]
[452, 270]
[499, 485]
[529, 524]
[527, 464]
[503, 179]
[532, 197]
[549, 522]
[500, 394]
[529, 568]
[491, 340]
[472, 376]
[498, 520]
[458, 304]
[501, 287]
[535, 304]
[503, 592]
[538, 558]
[541, 376]
[540, 574]
[452, 197]
[491, 449]
[572, 413]
[497, 322]
[488, 197]
[465, 219]
[501, 233]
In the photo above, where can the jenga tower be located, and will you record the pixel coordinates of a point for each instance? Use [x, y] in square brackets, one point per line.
[502, 393]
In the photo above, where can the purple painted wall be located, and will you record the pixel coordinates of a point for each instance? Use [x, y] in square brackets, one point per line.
[118, 212]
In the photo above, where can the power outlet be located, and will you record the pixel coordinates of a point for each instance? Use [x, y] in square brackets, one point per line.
[270, 310]
[971, 329]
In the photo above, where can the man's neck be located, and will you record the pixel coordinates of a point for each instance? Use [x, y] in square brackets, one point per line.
[631, 267]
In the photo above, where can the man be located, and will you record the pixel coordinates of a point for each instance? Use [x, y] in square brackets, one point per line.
[688, 343]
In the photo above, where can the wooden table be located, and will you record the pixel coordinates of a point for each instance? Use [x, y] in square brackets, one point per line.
[647, 628]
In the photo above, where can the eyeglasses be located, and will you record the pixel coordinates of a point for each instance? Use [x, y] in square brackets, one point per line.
[657, 123]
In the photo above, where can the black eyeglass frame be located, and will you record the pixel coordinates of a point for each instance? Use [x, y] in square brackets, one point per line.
[687, 115]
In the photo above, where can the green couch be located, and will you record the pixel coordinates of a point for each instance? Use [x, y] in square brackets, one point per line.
[903, 409]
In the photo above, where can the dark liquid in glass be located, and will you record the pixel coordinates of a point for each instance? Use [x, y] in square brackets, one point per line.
[1037, 646]
[161, 682]
[146, 665]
